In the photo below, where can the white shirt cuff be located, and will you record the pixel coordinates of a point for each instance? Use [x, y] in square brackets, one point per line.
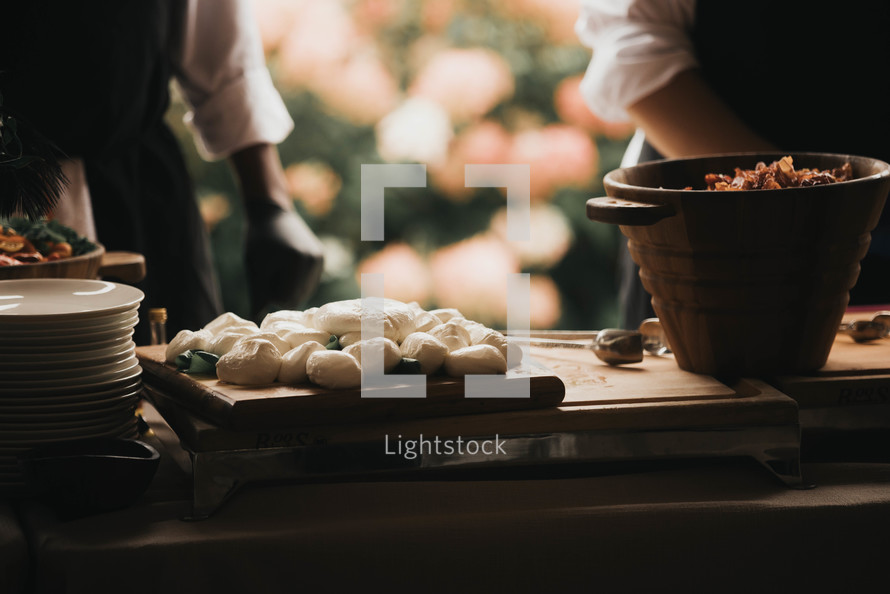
[247, 111]
[638, 47]
[643, 62]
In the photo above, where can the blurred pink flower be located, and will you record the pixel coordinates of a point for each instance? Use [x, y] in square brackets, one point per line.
[551, 236]
[361, 89]
[467, 82]
[406, 276]
[570, 107]
[321, 38]
[372, 15]
[275, 19]
[556, 17]
[545, 302]
[418, 130]
[558, 155]
[436, 14]
[314, 184]
[485, 142]
[471, 275]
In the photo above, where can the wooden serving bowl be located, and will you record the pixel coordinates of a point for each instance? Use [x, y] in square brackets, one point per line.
[128, 267]
[746, 283]
[82, 266]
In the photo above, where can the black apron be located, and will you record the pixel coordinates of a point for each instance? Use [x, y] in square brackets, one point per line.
[805, 79]
[93, 76]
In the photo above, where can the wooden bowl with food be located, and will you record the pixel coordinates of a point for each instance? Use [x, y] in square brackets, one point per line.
[752, 281]
[47, 249]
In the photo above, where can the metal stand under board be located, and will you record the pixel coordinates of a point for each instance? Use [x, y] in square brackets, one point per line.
[219, 469]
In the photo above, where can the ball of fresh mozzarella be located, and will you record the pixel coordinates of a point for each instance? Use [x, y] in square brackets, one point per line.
[223, 342]
[415, 307]
[391, 353]
[293, 363]
[475, 329]
[309, 314]
[482, 334]
[494, 338]
[446, 314]
[350, 338]
[251, 361]
[401, 316]
[277, 326]
[229, 320]
[452, 335]
[186, 340]
[341, 317]
[280, 343]
[333, 369]
[297, 335]
[428, 350]
[284, 315]
[425, 321]
[476, 359]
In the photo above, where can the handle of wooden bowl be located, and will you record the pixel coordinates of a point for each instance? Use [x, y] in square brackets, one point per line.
[627, 212]
[128, 267]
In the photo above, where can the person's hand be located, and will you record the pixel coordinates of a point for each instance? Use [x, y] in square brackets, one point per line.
[283, 257]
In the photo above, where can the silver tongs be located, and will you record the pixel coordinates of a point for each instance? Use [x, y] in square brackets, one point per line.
[867, 330]
[619, 347]
[611, 345]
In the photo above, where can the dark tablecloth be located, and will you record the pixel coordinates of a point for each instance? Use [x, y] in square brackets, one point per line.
[709, 526]
[13, 551]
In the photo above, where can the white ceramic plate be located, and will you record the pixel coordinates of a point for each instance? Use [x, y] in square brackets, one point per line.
[77, 360]
[13, 331]
[106, 376]
[71, 403]
[99, 373]
[52, 414]
[63, 337]
[43, 299]
[89, 387]
[9, 429]
[55, 347]
[13, 324]
[76, 355]
[45, 372]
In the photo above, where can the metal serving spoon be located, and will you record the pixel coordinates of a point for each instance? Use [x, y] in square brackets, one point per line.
[867, 330]
[612, 345]
[620, 347]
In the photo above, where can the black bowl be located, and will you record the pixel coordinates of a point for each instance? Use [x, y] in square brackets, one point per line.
[87, 476]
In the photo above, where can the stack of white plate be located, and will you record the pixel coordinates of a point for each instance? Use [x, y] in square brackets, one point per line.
[68, 367]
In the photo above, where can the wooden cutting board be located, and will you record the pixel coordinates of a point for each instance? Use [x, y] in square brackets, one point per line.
[655, 395]
[657, 379]
[856, 374]
[244, 408]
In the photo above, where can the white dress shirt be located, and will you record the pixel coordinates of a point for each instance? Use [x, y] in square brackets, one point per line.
[638, 47]
[220, 67]
[222, 72]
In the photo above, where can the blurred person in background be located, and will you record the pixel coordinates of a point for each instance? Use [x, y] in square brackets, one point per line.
[717, 77]
[94, 77]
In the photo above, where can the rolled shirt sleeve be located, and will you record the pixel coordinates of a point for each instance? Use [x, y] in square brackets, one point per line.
[221, 69]
[638, 47]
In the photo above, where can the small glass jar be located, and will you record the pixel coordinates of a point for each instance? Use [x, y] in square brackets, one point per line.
[157, 318]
